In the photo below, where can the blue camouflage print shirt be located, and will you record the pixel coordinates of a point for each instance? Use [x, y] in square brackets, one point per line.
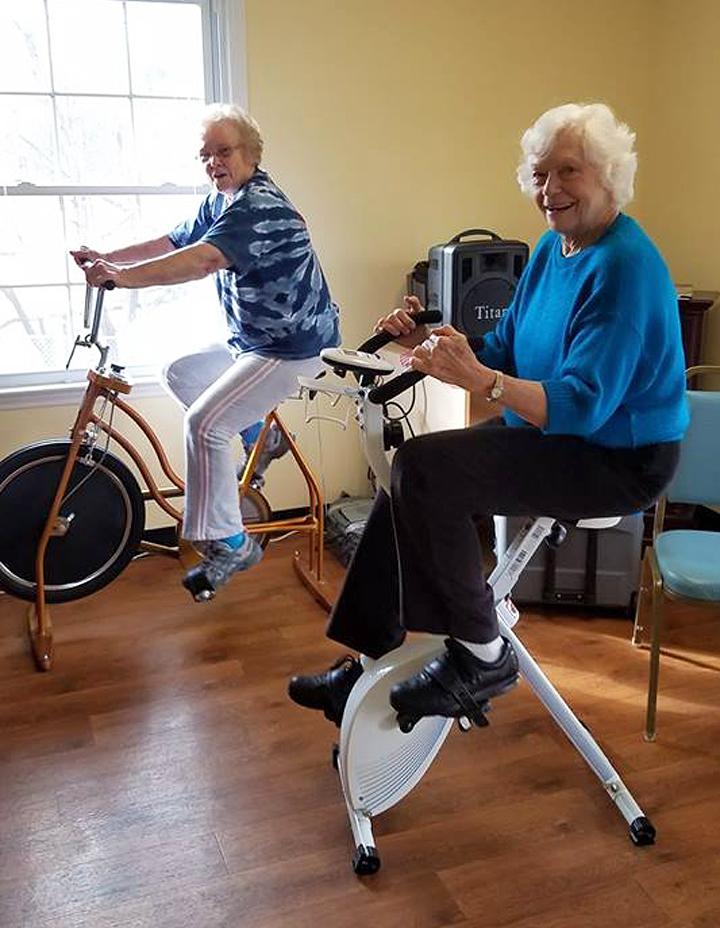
[274, 293]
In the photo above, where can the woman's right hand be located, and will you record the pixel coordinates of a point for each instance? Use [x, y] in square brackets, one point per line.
[402, 326]
[84, 255]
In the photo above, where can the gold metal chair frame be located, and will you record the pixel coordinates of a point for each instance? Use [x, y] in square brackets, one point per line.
[89, 423]
[651, 584]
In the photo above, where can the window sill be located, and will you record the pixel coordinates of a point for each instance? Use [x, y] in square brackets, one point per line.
[67, 394]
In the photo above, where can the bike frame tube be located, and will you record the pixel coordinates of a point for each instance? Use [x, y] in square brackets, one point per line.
[314, 522]
[155, 493]
[108, 387]
[152, 437]
[39, 625]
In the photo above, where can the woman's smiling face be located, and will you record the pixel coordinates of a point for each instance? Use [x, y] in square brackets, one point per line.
[569, 191]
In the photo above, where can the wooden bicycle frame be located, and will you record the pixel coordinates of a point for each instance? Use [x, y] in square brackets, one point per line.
[110, 387]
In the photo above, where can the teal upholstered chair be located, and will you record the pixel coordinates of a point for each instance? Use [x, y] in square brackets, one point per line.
[682, 564]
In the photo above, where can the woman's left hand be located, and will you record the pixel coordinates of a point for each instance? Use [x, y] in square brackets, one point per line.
[447, 356]
[99, 272]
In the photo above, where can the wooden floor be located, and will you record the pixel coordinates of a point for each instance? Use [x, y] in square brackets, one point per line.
[159, 778]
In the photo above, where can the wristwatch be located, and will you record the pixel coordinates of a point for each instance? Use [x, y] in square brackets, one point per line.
[496, 391]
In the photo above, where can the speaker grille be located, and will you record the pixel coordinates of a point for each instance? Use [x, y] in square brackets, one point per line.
[476, 282]
[484, 303]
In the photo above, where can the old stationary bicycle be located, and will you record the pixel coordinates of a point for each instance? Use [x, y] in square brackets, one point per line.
[72, 513]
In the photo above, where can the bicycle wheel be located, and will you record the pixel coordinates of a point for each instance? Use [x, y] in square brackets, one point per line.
[106, 514]
[255, 508]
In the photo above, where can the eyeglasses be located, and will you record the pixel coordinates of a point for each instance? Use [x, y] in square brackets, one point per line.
[222, 154]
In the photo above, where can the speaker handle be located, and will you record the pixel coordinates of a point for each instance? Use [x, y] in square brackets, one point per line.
[461, 235]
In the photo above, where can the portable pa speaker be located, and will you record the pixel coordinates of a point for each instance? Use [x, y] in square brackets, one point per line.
[472, 282]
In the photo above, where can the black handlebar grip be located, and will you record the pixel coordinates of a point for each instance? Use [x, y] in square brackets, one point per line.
[388, 391]
[380, 339]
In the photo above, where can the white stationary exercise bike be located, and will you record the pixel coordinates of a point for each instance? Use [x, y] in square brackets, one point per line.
[380, 756]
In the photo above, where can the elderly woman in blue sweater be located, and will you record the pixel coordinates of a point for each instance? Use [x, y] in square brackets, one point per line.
[587, 367]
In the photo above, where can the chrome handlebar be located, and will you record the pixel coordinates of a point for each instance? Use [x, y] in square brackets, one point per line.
[92, 317]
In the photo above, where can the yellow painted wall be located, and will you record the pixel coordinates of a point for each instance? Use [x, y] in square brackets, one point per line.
[394, 124]
[682, 163]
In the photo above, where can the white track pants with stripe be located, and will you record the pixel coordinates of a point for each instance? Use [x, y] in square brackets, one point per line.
[223, 395]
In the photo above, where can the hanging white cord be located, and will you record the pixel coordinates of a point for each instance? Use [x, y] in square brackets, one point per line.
[317, 417]
[318, 431]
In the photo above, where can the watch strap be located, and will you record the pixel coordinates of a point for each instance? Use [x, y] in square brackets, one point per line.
[497, 389]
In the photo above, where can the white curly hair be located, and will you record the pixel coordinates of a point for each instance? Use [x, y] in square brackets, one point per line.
[608, 144]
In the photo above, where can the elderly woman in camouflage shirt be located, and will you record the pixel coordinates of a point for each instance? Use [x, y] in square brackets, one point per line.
[279, 314]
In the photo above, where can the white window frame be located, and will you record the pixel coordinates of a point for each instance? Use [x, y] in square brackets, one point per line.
[225, 79]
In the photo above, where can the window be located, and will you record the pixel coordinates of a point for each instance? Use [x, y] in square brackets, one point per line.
[99, 106]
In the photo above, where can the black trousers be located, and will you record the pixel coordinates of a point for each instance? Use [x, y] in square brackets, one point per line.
[418, 564]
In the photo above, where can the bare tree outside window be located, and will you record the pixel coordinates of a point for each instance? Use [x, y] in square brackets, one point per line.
[99, 107]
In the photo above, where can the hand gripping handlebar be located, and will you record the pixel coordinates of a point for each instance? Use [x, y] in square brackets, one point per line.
[388, 391]
[380, 339]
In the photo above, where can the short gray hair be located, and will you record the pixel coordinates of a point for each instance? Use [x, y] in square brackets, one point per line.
[607, 144]
[250, 137]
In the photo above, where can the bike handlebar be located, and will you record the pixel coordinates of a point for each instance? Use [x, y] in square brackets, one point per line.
[388, 391]
[380, 339]
[105, 285]
[92, 317]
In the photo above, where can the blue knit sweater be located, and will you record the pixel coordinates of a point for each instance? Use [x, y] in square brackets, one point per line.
[601, 331]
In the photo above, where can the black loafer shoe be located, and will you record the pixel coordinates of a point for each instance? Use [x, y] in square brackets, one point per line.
[455, 684]
[327, 691]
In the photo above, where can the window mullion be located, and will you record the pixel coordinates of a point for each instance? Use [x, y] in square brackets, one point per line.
[52, 79]
[131, 96]
[56, 135]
